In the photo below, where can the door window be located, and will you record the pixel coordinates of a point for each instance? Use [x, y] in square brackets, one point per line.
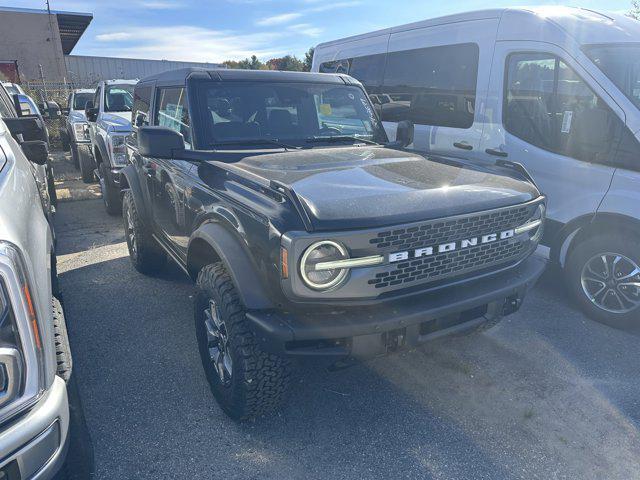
[141, 105]
[548, 105]
[173, 111]
[96, 98]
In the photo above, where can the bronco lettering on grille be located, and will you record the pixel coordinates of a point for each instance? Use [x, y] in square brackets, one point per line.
[450, 246]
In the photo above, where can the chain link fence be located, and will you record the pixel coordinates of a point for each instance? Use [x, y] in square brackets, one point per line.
[56, 92]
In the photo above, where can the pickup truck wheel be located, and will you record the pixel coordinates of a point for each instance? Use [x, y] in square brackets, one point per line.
[110, 194]
[74, 155]
[51, 186]
[87, 165]
[61, 340]
[144, 252]
[603, 274]
[245, 380]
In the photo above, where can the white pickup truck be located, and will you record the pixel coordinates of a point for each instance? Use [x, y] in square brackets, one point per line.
[109, 118]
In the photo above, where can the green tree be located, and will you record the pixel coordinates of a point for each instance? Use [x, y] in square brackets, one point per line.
[252, 63]
[288, 62]
[308, 59]
[635, 10]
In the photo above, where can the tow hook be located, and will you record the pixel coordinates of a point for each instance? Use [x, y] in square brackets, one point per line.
[511, 305]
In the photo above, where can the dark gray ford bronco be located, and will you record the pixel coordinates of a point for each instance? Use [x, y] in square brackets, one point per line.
[308, 232]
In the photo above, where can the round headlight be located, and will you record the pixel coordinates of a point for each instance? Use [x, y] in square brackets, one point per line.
[320, 253]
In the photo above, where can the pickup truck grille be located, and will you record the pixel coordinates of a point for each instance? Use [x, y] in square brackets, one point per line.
[453, 263]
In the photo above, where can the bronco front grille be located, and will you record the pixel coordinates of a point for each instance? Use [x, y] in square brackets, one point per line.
[453, 263]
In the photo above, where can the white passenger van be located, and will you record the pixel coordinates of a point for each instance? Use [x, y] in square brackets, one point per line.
[556, 89]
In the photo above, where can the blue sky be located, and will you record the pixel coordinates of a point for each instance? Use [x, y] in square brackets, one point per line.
[215, 30]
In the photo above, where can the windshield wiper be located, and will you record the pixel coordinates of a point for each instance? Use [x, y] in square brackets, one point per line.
[255, 141]
[339, 138]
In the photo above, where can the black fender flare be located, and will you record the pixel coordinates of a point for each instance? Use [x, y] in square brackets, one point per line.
[133, 183]
[102, 149]
[230, 251]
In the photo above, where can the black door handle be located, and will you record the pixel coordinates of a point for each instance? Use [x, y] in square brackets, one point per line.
[497, 153]
[462, 145]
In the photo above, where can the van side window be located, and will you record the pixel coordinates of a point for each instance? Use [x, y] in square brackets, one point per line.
[432, 86]
[548, 105]
[173, 111]
[337, 66]
[141, 105]
[368, 69]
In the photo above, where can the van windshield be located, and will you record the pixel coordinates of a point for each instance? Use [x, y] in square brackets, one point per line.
[298, 113]
[621, 63]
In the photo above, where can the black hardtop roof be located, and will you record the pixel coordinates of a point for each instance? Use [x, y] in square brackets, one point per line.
[180, 76]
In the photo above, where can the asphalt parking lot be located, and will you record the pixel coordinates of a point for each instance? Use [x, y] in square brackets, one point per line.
[547, 394]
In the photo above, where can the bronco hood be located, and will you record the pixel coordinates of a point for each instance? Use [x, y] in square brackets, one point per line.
[363, 187]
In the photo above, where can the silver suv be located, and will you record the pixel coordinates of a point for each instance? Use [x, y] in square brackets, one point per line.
[109, 117]
[35, 361]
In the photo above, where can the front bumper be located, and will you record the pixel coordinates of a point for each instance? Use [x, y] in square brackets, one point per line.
[34, 446]
[364, 332]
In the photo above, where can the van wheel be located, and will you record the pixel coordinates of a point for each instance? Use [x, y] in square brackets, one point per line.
[145, 254]
[110, 194]
[245, 380]
[603, 273]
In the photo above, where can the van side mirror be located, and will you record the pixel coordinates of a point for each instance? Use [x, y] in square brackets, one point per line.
[36, 151]
[90, 111]
[404, 134]
[160, 142]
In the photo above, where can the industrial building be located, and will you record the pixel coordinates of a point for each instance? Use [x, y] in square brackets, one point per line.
[36, 46]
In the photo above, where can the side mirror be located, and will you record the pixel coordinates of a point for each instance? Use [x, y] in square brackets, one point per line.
[36, 151]
[140, 120]
[90, 111]
[24, 107]
[51, 110]
[160, 142]
[65, 111]
[404, 133]
[29, 128]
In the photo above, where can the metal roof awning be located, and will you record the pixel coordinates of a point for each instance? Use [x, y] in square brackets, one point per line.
[71, 27]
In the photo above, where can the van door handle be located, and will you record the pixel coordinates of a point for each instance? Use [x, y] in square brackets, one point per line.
[462, 145]
[497, 153]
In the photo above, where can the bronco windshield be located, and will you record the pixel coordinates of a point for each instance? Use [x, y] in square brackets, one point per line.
[295, 113]
[621, 63]
[118, 98]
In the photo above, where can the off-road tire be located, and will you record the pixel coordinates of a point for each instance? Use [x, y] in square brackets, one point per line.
[147, 257]
[87, 166]
[110, 194]
[61, 341]
[259, 379]
[625, 243]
